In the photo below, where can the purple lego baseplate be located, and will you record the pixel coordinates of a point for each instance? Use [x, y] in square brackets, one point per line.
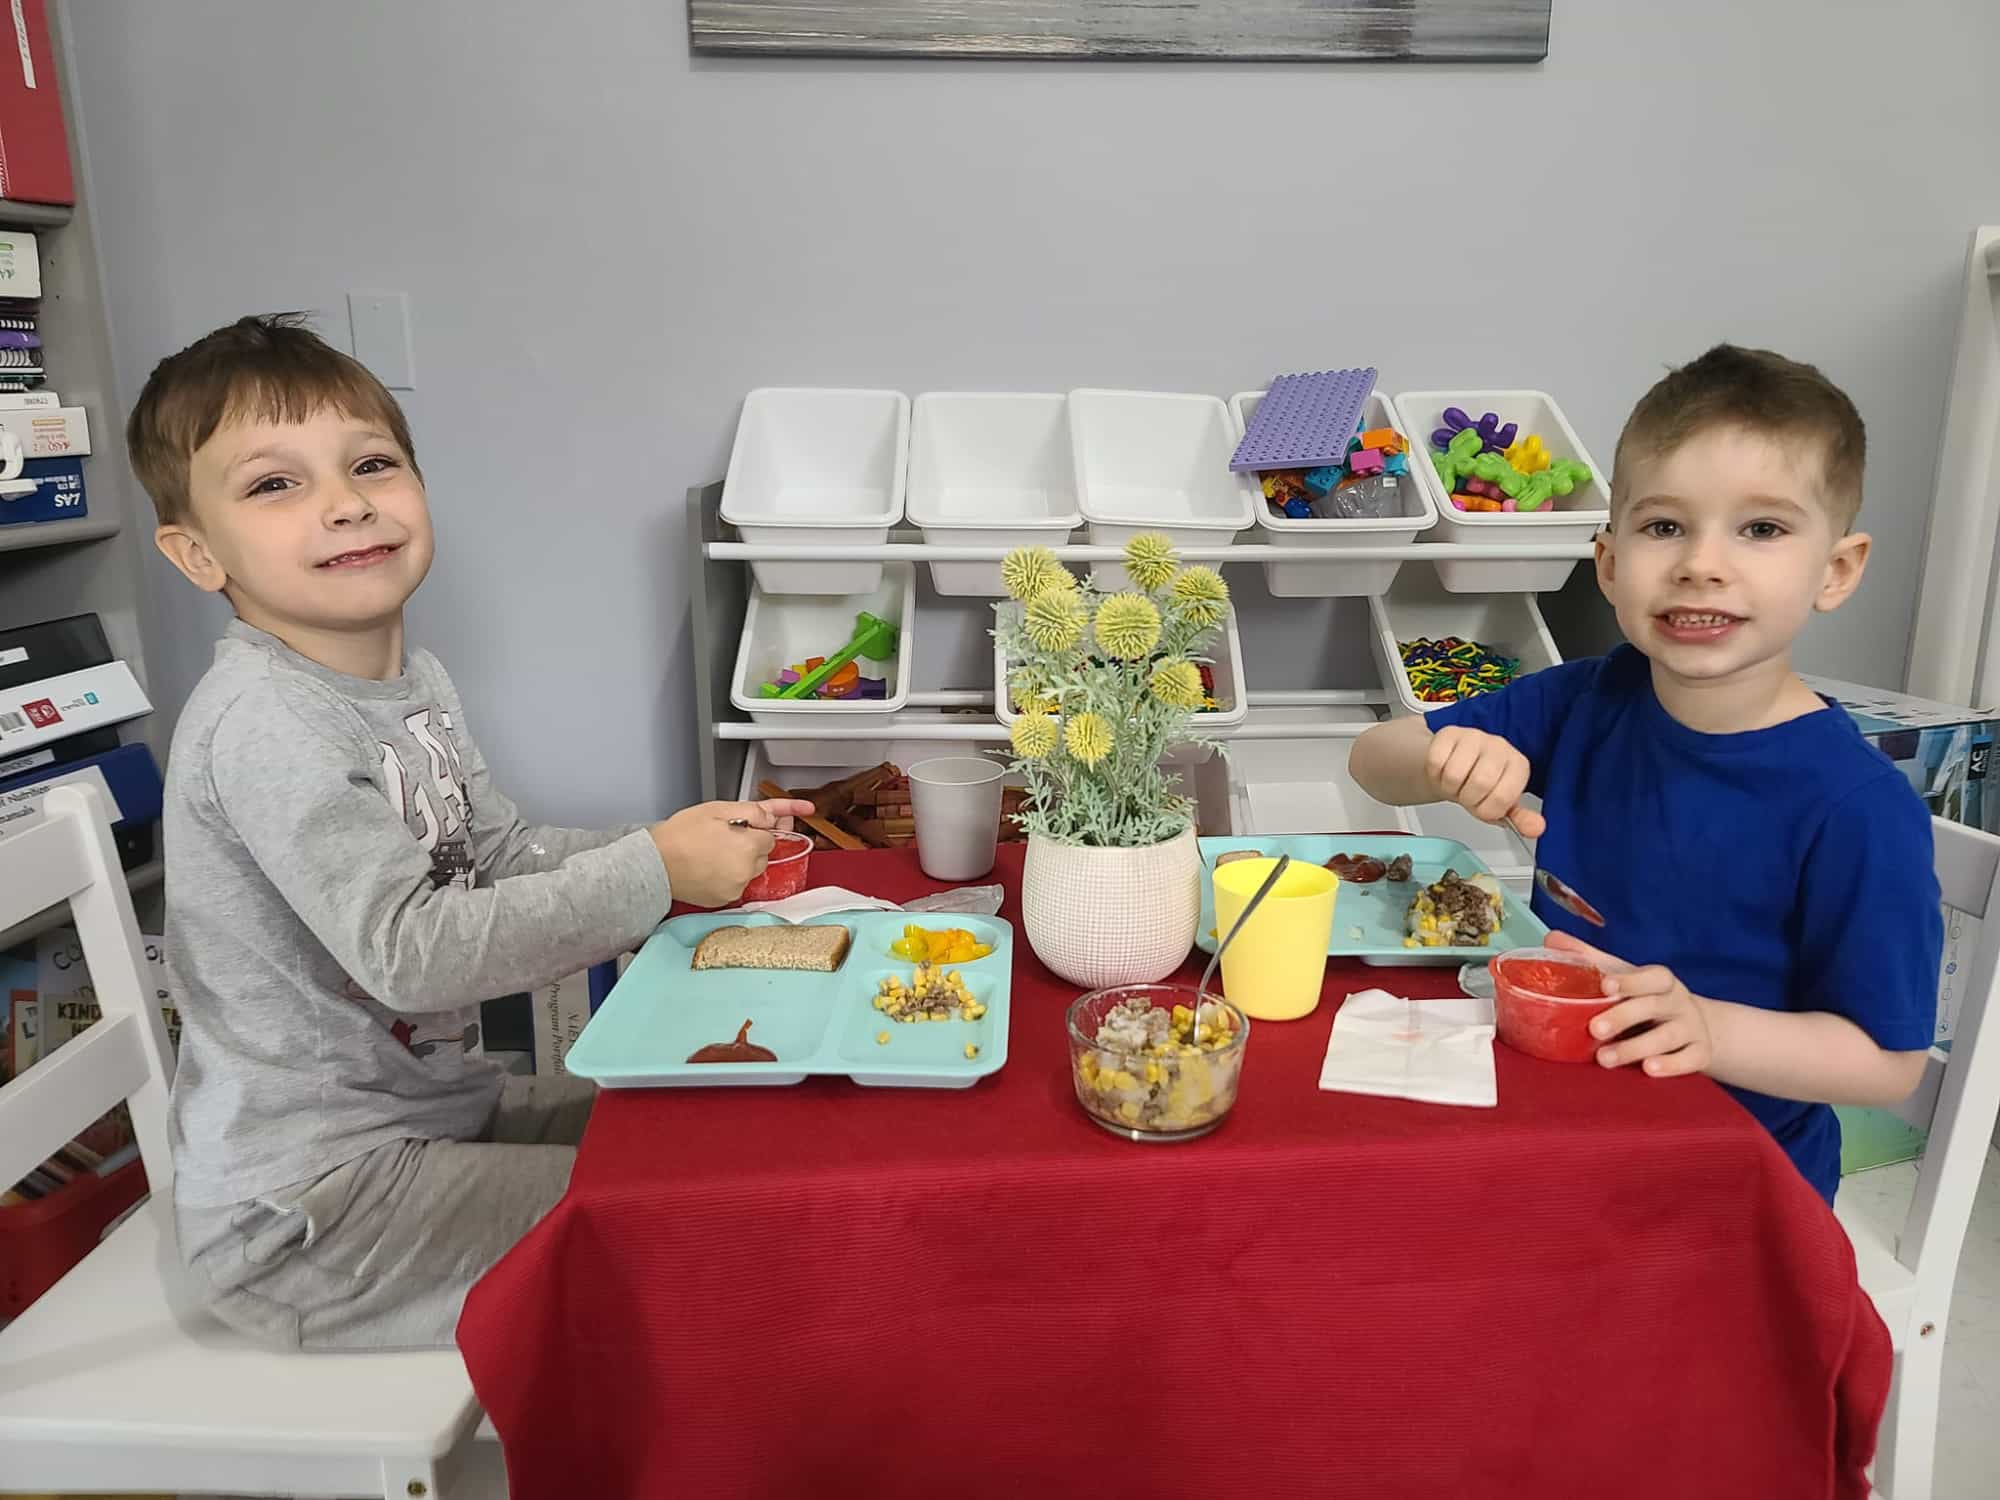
[1304, 421]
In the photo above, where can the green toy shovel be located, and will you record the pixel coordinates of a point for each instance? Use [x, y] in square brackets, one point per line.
[874, 638]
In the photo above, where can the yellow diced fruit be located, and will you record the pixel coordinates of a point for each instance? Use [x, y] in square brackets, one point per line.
[972, 1049]
[881, 1038]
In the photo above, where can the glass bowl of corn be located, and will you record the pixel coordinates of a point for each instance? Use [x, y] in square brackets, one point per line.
[1156, 1062]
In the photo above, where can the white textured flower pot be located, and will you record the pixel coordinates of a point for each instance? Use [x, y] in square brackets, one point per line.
[1112, 916]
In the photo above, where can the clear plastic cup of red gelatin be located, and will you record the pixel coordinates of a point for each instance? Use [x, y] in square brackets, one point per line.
[1544, 1002]
[785, 875]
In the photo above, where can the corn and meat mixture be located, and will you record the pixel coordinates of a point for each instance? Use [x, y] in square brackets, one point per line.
[933, 994]
[1455, 913]
[1154, 1069]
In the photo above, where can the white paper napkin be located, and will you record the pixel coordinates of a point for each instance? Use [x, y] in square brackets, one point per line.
[1439, 1051]
[819, 902]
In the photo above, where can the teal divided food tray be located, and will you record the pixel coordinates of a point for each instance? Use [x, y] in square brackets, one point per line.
[1368, 920]
[663, 1010]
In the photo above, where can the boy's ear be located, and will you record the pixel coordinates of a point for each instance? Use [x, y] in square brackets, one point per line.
[1844, 570]
[1607, 565]
[185, 549]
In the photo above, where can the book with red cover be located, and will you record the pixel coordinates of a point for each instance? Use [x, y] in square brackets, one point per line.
[34, 147]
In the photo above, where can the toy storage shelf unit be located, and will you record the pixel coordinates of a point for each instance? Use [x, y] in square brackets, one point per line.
[1318, 608]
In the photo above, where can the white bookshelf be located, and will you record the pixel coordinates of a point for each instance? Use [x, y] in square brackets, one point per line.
[95, 564]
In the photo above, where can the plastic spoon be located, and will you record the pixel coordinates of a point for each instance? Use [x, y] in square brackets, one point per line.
[1255, 901]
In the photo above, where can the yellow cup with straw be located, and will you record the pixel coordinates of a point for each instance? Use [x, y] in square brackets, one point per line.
[1274, 969]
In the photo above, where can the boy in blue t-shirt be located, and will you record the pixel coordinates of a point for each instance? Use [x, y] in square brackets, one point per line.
[1764, 873]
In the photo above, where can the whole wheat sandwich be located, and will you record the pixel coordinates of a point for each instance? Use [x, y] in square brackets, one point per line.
[815, 949]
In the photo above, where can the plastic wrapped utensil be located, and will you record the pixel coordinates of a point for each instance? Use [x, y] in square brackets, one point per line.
[972, 900]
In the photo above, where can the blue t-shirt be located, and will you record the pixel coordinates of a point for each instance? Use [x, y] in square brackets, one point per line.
[1787, 867]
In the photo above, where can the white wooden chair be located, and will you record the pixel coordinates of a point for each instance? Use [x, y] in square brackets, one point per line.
[114, 1380]
[1909, 1274]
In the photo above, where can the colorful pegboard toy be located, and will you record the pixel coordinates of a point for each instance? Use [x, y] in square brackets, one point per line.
[1305, 421]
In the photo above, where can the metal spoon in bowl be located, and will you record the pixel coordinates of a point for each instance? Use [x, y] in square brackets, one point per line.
[1284, 860]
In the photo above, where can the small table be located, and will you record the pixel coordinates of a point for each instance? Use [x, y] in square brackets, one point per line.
[1608, 1285]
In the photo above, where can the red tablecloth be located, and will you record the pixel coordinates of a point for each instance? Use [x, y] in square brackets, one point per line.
[1609, 1285]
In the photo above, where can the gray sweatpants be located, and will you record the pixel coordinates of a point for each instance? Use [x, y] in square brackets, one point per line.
[379, 1253]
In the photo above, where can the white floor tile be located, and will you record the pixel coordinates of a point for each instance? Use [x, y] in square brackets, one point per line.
[1968, 1441]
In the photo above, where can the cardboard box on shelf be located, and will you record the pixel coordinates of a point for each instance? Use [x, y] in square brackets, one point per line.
[49, 648]
[58, 495]
[561, 1009]
[59, 432]
[39, 713]
[1945, 751]
[127, 778]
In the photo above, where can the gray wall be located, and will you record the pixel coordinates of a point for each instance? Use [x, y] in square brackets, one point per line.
[606, 243]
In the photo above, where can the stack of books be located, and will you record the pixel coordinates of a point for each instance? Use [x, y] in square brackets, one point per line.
[21, 365]
[75, 1160]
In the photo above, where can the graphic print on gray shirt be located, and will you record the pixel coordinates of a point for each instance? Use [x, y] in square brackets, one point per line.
[344, 885]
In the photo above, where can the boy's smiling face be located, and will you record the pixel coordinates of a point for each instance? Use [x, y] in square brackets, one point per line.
[317, 527]
[1720, 551]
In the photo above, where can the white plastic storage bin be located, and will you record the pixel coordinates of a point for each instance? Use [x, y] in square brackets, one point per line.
[818, 467]
[1153, 461]
[1303, 786]
[1419, 605]
[990, 470]
[1227, 666]
[1209, 786]
[1575, 517]
[780, 629]
[1348, 574]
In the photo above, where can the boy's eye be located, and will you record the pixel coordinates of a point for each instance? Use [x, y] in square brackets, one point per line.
[270, 485]
[1764, 531]
[375, 464]
[1661, 530]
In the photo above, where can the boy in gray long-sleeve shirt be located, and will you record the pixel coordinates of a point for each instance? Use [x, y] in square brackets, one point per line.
[345, 883]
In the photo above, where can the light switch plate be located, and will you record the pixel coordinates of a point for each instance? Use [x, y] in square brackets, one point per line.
[380, 322]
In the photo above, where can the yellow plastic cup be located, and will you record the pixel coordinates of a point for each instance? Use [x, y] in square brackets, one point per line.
[1274, 969]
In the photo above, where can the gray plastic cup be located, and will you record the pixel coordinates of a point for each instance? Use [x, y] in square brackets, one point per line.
[956, 803]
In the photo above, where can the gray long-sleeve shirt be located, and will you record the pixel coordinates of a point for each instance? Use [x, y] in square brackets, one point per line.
[344, 885]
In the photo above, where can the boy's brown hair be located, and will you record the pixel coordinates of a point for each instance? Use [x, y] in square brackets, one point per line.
[269, 368]
[1761, 392]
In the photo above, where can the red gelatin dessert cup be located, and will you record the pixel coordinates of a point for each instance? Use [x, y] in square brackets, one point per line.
[1544, 1002]
[785, 875]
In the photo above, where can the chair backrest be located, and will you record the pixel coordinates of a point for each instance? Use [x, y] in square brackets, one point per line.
[69, 856]
[1960, 1096]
